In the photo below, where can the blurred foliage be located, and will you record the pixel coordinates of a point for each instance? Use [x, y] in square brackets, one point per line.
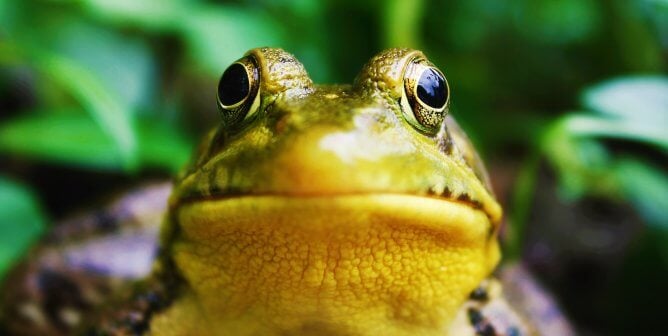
[122, 88]
[634, 109]
[21, 221]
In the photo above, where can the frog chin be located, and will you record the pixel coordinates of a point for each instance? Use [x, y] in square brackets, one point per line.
[357, 263]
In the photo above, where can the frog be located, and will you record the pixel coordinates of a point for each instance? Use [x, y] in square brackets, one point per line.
[309, 209]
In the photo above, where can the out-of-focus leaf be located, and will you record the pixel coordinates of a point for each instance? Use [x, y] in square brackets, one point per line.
[637, 44]
[97, 100]
[466, 32]
[409, 13]
[638, 98]
[110, 75]
[123, 63]
[585, 167]
[149, 14]
[303, 9]
[161, 145]
[657, 11]
[6, 16]
[581, 162]
[72, 138]
[647, 188]
[21, 221]
[216, 36]
[76, 139]
[89, 91]
[557, 21]
[595, 126]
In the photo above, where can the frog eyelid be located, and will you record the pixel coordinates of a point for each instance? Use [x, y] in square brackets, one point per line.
[238, 94]
[421, 114]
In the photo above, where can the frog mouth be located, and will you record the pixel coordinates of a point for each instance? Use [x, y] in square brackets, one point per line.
[445, 196]
[363, 200]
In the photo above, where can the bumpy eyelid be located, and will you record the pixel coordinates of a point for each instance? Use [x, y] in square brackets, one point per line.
[384, 73]
[281, 72]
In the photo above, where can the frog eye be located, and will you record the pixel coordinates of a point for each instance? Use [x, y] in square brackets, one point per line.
[426, 96]
[238, 91]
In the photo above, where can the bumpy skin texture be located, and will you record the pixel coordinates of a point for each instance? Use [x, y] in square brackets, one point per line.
[328, 213]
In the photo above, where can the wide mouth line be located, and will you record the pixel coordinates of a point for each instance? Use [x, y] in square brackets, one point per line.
[462, 199]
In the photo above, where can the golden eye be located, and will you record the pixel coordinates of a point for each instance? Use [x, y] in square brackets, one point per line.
[426, 96]
[239, 91]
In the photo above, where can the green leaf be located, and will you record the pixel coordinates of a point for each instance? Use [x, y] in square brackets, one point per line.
[96, 99]
[406, 34]
[149, 14]
[577, 125]
[642, 98]
[163, 146]
[216, 36]
[585, 167]
[581, 163]
[68, 137]
[557, 22]
[21, 221]
[122, 64]
[646, 187]
[63, 137]
[7, 16]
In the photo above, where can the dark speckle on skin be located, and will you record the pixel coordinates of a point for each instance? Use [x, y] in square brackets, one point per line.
[479, 294]
[485, 329]
[475, 316]
[481, 325]
[215, 189]
[464, 197]
[447, 192]
[490, 233]
[445, 144]
[62, 292]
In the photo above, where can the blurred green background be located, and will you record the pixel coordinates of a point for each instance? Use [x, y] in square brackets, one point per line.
[567, 100]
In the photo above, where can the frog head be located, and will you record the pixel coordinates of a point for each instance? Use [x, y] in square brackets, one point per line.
[340, 209]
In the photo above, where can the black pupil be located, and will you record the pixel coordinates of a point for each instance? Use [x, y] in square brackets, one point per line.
[233, 86]
[431, 88]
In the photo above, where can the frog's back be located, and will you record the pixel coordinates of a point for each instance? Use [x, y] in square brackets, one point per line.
[82, 263]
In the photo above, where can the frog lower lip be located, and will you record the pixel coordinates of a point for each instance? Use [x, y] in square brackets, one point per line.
[444, 195]
[411, 206]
